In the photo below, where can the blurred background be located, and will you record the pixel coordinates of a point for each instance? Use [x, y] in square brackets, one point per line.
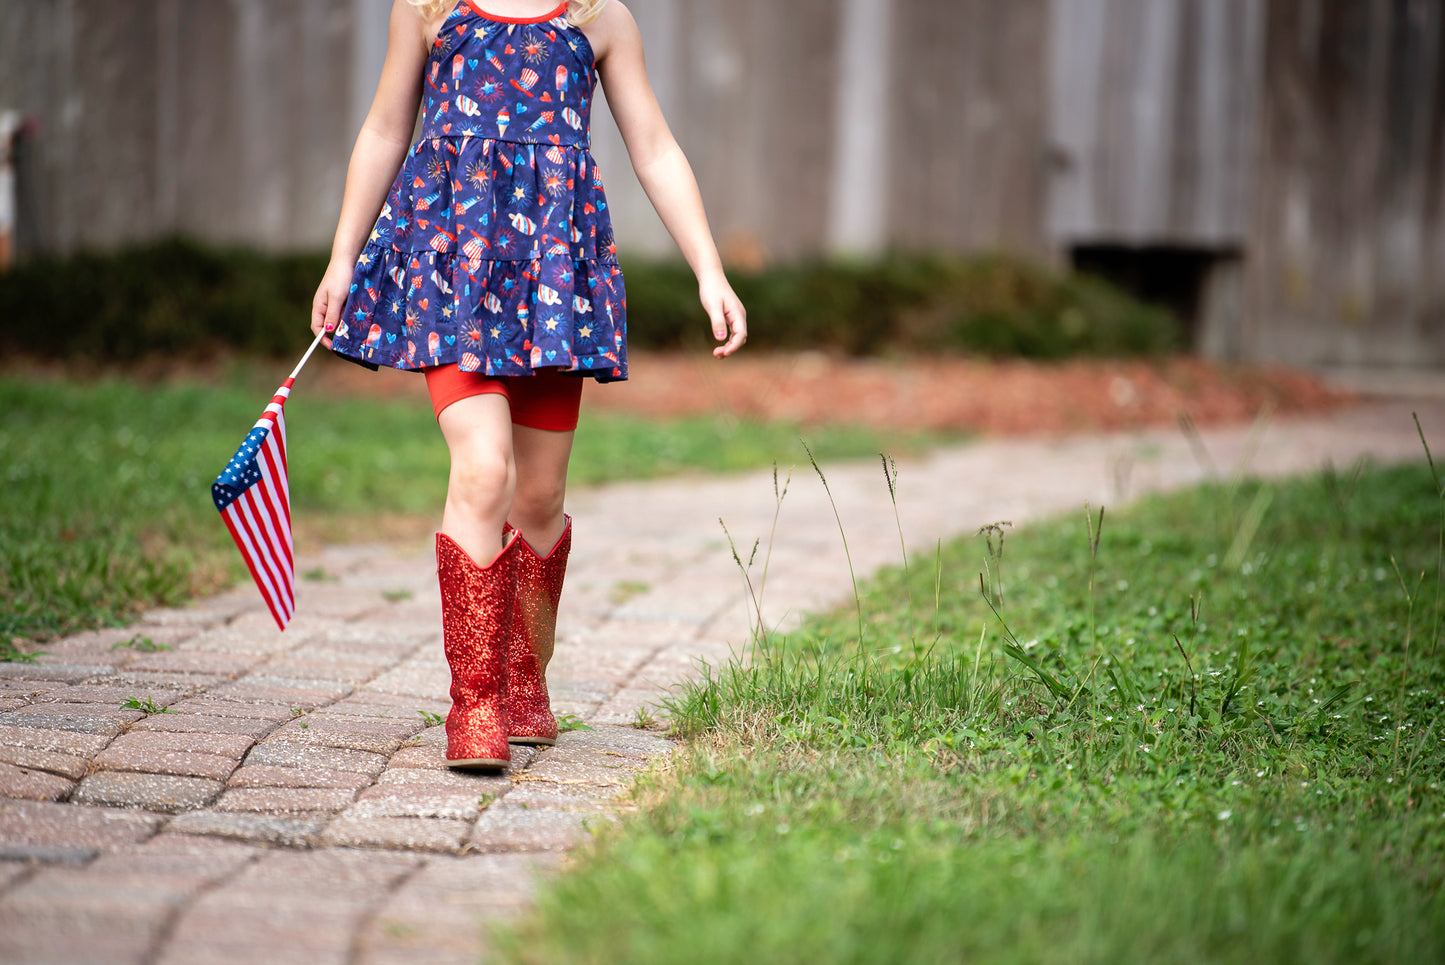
[1271, 171]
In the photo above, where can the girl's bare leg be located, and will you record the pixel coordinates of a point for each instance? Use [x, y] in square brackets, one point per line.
[483, 478]
[541, 458]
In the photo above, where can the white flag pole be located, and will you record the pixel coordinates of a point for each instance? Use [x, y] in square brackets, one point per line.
[307, 357]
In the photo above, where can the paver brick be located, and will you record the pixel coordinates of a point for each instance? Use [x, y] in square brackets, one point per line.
[433, 755]
[624, 706]
[209, 853]
[199, 615]
[47, 854]
[56, 672]
[178, 723]
[241, 642]
[266, 775]
[11, 686]
[140, 752]
[320, 690]
[65, 914]
[61, 742]
[196, 662]
[221, 745]
[213, 706]
[289, 906]
[151, 681]
[314, 757]
[439, 914]
[556, 796]
[377, 735]
[507, 827]
[414, 678]
[285, 800]
[427, 801]
[400, 834]
[111, 695]
[10, 872]
[73, 826]
[286, 832]
[367, 703]
[153, 792]
[578, 769]
[352, 669]
[83, 719]
[447, 779]
[34, 929]
[169, 636]
[382, 633]
[33, 785]
[277, 692]
[69, 653]
[640, 745]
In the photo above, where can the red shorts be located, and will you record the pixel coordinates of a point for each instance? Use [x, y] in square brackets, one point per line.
[548, 400]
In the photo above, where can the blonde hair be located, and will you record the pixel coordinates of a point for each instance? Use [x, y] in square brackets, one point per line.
[579, 12]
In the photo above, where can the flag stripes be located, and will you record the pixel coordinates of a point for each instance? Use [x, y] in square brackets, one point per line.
[254, 500]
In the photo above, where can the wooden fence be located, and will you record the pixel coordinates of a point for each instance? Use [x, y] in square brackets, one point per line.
[1288, 153]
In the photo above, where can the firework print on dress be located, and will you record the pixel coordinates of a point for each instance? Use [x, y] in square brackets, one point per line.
[494, 249]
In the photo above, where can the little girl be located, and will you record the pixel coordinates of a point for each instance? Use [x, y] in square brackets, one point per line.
[483, 257]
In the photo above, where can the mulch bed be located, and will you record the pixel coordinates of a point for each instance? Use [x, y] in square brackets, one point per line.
[948, 395]
[993, 398]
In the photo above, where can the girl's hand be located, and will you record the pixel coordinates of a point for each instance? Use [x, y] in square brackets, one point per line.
[729, 318]
[330, 299]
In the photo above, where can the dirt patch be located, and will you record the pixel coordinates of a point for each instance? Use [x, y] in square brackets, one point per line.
[951, 395]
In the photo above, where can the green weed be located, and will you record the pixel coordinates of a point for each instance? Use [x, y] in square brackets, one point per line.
[566, 722]
[10, 652]
[146, 704]
[624, 590]
[141, 644]
[430, 719]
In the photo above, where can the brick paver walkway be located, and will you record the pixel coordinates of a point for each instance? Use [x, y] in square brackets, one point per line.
[293, 804]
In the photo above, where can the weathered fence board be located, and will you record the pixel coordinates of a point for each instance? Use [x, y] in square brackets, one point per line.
[1347, 263]
[1152, 119]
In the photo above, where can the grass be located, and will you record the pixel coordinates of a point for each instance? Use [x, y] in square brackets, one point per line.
[1204, 729]
[107, 484]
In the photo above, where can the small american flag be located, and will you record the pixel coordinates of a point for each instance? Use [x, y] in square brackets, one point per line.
[255, 503]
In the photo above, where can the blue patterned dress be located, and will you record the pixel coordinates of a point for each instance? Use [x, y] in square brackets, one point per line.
[494, 249]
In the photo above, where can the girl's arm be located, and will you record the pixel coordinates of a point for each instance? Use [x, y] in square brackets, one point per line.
[662, 169]
[380, 148]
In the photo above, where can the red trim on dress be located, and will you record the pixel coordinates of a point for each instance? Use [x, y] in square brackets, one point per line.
[560, 11]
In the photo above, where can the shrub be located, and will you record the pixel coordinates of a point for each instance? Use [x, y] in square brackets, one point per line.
[176, 297]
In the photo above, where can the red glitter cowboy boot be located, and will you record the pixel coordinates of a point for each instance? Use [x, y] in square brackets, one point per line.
[534, 634]
[478, 606]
